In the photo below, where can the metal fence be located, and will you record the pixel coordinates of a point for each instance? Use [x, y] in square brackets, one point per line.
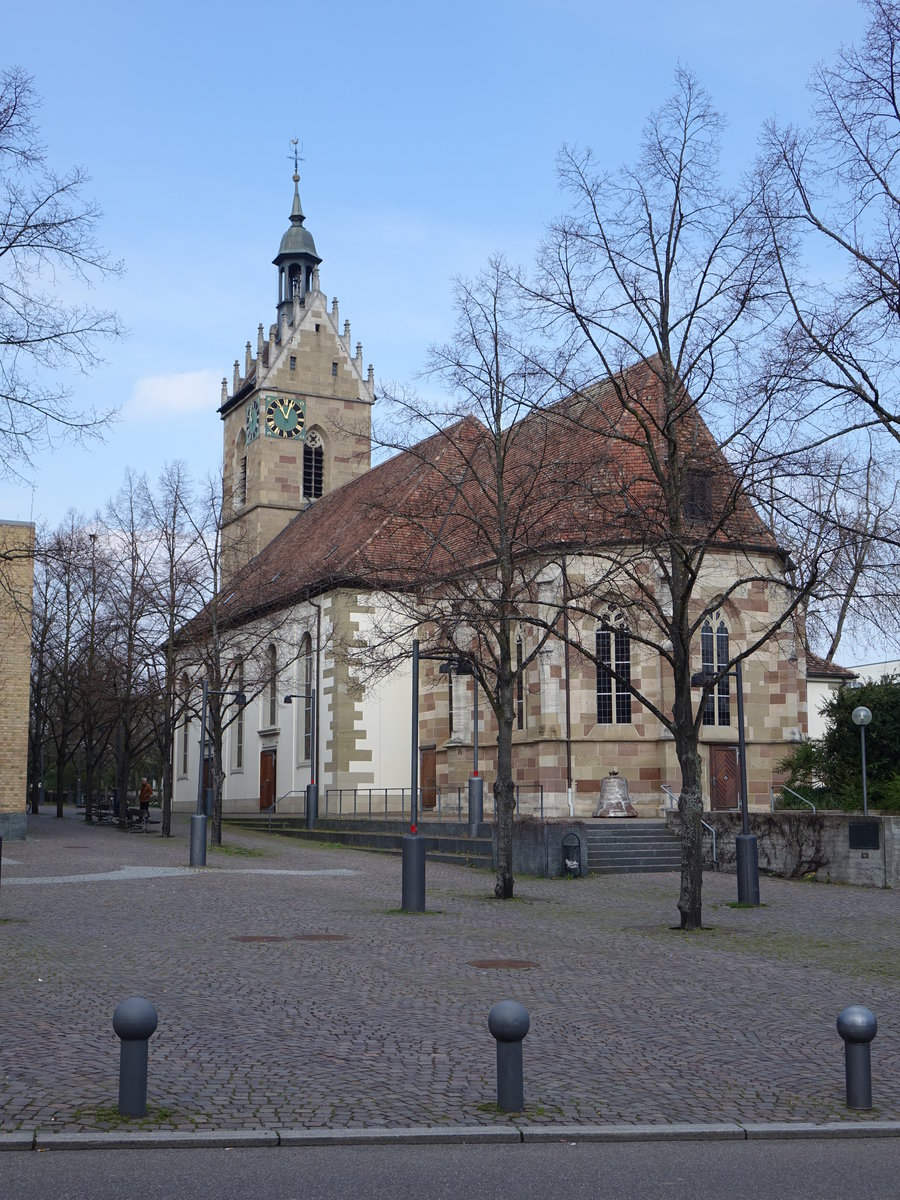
[450, 804]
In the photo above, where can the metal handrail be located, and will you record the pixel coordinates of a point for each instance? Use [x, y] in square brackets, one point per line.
[802, 799]
[712, 830]
[705, 824]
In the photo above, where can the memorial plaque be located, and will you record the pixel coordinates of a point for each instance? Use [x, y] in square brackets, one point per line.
[864, 835]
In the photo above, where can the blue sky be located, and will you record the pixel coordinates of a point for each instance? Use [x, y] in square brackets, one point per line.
[429, 134]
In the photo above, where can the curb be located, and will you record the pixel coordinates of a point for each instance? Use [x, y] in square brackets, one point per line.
[436, 1135]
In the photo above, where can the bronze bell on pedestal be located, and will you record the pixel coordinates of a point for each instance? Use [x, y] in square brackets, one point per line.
[614, 798]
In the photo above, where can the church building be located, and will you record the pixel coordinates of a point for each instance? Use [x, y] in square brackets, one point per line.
[313, 546]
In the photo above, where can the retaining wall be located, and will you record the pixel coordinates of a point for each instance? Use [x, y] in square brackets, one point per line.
[797, 843]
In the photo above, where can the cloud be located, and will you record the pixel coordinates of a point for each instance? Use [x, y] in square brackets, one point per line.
[160, 397]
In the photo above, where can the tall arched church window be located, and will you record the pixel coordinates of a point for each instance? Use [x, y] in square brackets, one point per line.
[239, 720]
[272, 691]
[306, 658]
[185, 726]
[613, 654]
[714, 654]
[313, 465]
[239, 493]
[520, 684]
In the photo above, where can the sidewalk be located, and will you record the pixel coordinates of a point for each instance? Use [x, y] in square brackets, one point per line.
[294, 996]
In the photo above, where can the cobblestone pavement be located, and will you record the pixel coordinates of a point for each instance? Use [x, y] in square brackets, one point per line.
[292, 992]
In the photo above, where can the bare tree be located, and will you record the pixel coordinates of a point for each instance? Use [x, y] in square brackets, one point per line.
[180, 574]
[46, 231]
[471, 532]
[658, 263]
[834, 189]
[853, 506]
[229, 651]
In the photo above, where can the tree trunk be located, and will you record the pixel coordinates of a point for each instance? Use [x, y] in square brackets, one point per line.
[218, 782]
[167, 798]
[505, 802]
[88, 786]
[60, 772]
[690, 808]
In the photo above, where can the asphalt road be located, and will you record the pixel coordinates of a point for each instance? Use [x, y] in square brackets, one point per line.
[800, 1170]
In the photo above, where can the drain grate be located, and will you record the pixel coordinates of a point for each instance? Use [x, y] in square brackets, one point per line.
[502, 964]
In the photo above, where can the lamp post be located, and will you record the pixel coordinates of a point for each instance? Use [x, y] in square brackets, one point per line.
[746, 846]
[199, 820]
[312, 788]
[862, 717]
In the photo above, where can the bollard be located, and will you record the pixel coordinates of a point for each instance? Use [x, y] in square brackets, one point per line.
[198, 841]
[312, 805]
[476, 804]
[412, 872]
[134, 1021]
[857, 1026]
[508, 1023]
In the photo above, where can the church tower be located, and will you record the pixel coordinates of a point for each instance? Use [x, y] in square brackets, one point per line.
[298, 420]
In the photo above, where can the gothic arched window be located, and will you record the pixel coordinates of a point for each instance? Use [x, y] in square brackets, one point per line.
[520, 684]
[185, 725]
[239, 719]
[239, 491]
[272, 697]
[714, 654]
[313, 465]
[306, 661]
[613, 652]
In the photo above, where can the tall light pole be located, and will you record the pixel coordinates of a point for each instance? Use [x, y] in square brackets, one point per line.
[862, 717]
[746, 846]
[199, 820]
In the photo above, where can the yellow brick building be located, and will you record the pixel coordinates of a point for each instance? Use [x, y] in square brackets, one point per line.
[16, 580]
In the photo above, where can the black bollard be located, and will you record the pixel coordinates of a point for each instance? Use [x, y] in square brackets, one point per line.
[412, 872]
[198, 840]
[476, 804]
[312, 805]
[857, 1026]
[134, 1021]
[508, 1023]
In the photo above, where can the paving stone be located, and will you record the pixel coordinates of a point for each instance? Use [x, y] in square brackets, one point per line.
[632, 1024]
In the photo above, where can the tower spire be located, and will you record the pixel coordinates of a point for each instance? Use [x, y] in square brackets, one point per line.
[297, 217]
[296, 259]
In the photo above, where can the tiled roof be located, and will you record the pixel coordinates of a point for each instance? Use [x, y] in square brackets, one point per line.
[817, 666]
[575, 479]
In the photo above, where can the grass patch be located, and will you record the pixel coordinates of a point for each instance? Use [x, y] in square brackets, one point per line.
[239, 851]
[742, 904]
[109, 1116]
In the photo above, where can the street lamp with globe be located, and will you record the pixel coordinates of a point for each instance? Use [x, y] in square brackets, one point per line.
[862, 717]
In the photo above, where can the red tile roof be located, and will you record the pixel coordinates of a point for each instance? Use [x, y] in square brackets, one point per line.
[576, 477]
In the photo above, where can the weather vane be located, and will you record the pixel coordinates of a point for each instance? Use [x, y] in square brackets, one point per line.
[296, 156]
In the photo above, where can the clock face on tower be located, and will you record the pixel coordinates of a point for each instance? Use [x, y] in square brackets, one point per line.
[251, 420]
[285, 417]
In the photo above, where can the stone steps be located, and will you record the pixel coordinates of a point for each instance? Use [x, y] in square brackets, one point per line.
[623, 846]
